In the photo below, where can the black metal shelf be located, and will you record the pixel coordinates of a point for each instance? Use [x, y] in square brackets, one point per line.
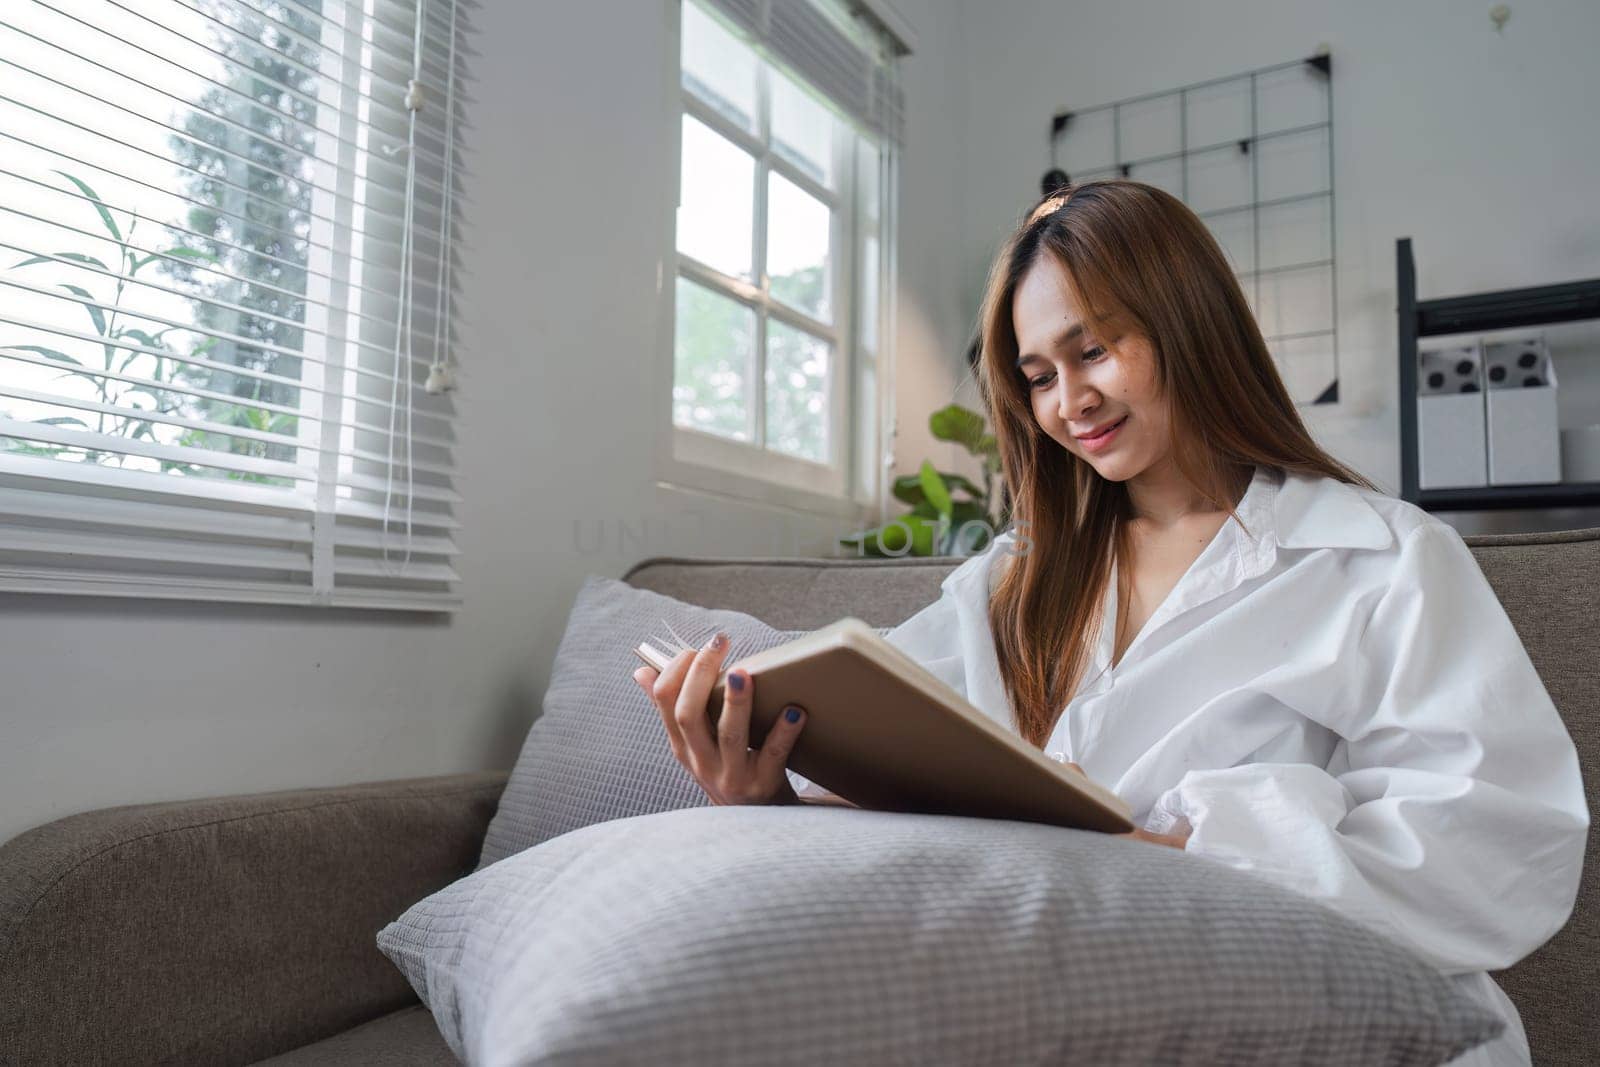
[1509, 308]
[1505, 309]
[1502, 497]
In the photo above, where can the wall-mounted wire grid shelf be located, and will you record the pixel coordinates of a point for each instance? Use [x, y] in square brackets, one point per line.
[1252, 155]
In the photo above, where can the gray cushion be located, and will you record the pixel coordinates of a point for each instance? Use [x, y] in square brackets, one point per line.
[779, 935]
[599, 750]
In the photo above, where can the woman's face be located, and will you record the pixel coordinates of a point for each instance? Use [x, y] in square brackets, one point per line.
[1080, 383]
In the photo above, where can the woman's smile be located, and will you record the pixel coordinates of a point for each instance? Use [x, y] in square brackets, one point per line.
[1103, 441]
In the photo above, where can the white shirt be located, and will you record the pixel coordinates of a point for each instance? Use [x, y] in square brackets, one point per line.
[1333, 698]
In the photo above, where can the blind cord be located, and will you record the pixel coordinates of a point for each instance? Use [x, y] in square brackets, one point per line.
[441, 377]
[404, 316]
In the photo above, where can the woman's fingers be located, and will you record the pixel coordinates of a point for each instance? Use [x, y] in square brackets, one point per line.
[774, 755]
[664, 694]
[733, 725]
[646, 677]
[724, 766]
[665, 690]
[694, 725]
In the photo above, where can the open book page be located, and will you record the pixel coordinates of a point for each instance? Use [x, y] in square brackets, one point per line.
[811, 792]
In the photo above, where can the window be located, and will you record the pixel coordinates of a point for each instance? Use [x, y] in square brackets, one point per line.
[204, 239]
[776, 303]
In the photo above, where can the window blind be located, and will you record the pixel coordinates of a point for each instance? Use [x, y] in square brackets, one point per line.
[838, 46]
[225, 341]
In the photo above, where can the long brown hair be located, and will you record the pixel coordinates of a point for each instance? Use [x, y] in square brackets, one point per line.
[1138, 260]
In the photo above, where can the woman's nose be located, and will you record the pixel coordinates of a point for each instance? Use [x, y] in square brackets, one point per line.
[1074, 398]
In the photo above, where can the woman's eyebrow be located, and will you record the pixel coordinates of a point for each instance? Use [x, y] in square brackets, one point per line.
[1070, 334]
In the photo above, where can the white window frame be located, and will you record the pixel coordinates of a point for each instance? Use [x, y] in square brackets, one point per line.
[746, 470]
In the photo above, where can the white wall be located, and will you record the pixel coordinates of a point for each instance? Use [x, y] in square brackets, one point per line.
[934, 321]
[1483, 147]
[117, 702]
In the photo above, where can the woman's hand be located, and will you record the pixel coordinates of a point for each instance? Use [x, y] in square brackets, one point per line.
[1178, 840]
[727, 768]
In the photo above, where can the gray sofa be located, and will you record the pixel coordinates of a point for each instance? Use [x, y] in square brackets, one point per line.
[240, 929]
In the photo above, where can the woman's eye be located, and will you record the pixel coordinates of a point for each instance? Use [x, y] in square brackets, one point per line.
[1043, 379]
[1094, 353]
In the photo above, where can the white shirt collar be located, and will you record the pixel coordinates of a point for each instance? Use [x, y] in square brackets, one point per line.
[1282, 509]
[1278, 509]
[1317, 512]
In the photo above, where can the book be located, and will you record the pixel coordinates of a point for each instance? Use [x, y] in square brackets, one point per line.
[885, 734]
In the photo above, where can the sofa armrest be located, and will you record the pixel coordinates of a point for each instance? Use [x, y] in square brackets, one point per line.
[223, 930]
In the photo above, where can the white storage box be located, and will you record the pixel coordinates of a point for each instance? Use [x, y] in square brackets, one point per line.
[1451, 444]
[1580, 454]
[1523, 426]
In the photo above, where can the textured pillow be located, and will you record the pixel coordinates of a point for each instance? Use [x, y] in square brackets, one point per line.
[599, 750]
[778, 935]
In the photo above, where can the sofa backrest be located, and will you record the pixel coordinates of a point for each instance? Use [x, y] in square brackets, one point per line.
[1549, 584]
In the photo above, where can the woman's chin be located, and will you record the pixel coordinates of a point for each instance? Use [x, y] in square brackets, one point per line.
[1114, 468]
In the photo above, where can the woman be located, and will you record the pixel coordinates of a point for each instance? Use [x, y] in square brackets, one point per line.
[1277, 666]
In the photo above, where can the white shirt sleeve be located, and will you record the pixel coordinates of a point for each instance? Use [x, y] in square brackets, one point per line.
[932, 636]
[951, 639]
[1451, 815]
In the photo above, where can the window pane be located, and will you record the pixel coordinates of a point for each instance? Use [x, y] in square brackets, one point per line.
[146, 247]
[718, 67]
[798, 237]
[802, 129]
[797, 392]
[713, 352]
[716, 204]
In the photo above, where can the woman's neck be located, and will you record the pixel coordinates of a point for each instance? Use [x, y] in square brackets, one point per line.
[1161, 498]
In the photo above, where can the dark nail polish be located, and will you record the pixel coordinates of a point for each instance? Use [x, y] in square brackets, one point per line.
[792, 714]
[736, 682]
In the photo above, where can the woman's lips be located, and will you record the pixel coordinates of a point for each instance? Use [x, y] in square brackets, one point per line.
[1103, 442]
